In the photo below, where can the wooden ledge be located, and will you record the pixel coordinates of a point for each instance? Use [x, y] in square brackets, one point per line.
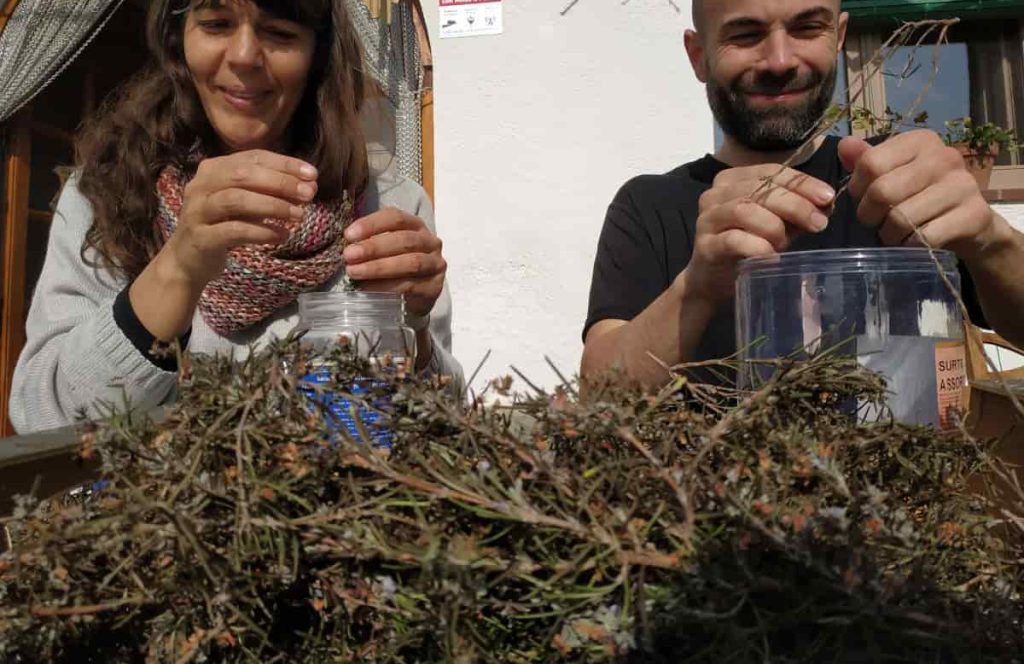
[1005, 195]
[46, 463]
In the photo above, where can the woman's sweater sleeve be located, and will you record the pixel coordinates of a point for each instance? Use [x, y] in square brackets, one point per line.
[76, 357]
[442, 362]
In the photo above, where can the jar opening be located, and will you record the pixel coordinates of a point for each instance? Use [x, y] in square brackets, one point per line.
[882, 260]
[353, 306]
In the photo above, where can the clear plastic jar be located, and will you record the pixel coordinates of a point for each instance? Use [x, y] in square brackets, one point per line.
[890, 308]
[373, 324]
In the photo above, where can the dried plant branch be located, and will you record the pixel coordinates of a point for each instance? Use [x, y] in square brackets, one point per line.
[915, 33]
[603, 529]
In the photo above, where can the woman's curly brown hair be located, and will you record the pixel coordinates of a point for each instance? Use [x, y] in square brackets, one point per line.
[156, 119]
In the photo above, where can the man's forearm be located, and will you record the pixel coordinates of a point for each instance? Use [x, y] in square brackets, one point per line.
[998, 273]
[669, 329]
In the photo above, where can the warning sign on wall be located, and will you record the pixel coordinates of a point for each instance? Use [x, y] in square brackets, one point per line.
[470, 18]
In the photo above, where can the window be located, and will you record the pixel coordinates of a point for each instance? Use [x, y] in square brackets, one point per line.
[839, 97]
[35, 147]
[950, 93]
[980, 74]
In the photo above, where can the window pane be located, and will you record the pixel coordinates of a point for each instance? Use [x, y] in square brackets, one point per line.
[841, 96]
[908, 73]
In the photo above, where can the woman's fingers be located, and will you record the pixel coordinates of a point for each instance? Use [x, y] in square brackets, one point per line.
[393, 243]
[245, 205]
[272, 182]
[262, 159]
[405, 266]
[420, 294]
[394, 251]
[387, 220]
[249, 186]
[231, 234]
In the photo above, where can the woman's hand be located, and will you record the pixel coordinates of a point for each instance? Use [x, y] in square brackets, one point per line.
[393, 251]
[227, 203]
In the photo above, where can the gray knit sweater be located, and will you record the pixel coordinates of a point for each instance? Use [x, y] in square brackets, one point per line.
[77, 357]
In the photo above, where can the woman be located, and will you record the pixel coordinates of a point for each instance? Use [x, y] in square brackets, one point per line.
[242, 140]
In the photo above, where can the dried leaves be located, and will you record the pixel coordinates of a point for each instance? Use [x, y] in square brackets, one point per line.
[657, 528]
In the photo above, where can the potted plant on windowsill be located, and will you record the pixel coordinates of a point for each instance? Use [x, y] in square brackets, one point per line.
[889, 122]
[980, 144]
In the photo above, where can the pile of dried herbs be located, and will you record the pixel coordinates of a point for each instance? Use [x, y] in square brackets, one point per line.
[671, 527]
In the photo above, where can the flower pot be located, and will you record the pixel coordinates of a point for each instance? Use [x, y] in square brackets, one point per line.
[979, 164]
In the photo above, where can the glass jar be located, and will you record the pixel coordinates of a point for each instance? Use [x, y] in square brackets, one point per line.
[373, 325]
[893, 309]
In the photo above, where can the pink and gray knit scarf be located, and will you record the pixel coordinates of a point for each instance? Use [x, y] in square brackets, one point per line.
[260, 279]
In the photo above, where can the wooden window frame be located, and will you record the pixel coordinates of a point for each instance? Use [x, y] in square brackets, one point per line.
[426, 101]
[17, 172]
[7, 8]
[1000, 92]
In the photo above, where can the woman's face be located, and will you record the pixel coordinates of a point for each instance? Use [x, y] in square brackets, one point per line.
[250, 71]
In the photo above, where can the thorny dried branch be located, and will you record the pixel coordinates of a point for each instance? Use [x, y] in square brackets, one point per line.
[911, 34]
[626, 527]
[698, 523]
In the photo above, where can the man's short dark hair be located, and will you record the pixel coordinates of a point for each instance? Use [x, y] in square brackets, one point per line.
[698, 14]
[697, 7]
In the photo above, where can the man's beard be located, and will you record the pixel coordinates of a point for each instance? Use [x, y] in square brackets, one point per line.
[772, 129]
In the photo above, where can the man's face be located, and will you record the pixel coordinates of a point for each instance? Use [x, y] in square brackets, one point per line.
[769, 65]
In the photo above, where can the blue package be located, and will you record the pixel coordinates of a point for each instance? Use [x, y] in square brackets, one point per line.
[340, 408]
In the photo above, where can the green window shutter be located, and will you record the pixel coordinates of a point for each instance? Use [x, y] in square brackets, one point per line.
[862, 11]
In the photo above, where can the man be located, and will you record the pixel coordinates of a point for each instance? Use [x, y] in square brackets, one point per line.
[665, 271]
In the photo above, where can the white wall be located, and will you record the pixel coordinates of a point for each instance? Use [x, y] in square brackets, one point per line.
[1013, 213]
[1005, 360]
[536, 129]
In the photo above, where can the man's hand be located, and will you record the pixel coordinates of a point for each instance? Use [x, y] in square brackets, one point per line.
[742, 216]
[918, 191]
[912, 184]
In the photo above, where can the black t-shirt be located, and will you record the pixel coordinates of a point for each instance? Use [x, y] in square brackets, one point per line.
[650, 228]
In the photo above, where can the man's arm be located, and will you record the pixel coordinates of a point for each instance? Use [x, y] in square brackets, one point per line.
[918, 191]
[669, 329]
[998, 273]
[741, 216]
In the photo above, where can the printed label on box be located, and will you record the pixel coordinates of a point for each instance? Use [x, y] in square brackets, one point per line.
[950, 381]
